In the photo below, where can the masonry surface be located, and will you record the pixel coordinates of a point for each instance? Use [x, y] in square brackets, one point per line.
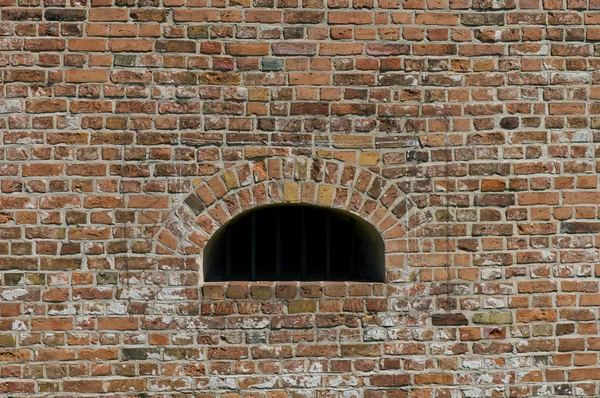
[465, 131]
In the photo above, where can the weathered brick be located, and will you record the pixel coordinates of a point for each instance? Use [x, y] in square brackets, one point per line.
[299, 306]
[492, 317]
[449, 320]
[462, 138]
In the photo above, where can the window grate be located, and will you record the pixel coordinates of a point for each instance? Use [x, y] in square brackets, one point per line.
[295, 242]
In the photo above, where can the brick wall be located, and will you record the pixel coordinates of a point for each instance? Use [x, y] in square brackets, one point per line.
[464, 131]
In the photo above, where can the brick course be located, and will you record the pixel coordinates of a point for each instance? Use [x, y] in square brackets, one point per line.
[466, 132]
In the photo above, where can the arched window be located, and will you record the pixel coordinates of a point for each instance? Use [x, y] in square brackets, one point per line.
[295, 243]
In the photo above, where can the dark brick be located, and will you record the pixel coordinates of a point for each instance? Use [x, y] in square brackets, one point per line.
[580, 227]
[194, 202]
[65, 15]
[449, 320]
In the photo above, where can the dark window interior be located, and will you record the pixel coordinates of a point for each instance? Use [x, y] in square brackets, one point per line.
[295, 243]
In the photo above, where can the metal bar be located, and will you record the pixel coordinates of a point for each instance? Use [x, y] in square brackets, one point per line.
[253, 270]
[303, 244]
[352, 249]
[327, 246]
[278, 243]
[228, 253]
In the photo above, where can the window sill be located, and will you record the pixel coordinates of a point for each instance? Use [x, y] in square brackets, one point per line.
[290, 290]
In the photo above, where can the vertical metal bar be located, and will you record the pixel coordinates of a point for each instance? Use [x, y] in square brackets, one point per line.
[352, 249]
[228, 253]
[253, 270]
[303, 244]
[327, 245]
[278, 243]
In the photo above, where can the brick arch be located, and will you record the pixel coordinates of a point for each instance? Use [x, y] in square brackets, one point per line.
[361, 190]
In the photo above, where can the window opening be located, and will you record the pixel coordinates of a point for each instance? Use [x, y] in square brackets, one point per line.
[295, 242]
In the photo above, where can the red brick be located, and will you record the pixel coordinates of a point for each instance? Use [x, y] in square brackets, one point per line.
[86, 76]
[46, 106]
[114, 323]
[52, 324]
[433, 378]
[130, 45]
[83, 386]
[247, 49]
[350, 17]
[203, 15]
[87, 44]
[109, 14]
[42, 169]
[584, 374]
[227, 352]
[45, 45]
